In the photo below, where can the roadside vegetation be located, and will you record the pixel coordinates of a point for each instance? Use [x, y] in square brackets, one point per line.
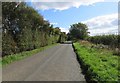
[98, 55]
[15, 57]
[25, 32]
[24, 29]
[99, 64]
[111, 41]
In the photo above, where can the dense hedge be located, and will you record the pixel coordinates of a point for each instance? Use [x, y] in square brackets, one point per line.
[111, 40]
[24, 29]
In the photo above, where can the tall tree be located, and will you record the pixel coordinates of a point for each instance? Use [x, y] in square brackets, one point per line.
[23, 28]
[78, 31]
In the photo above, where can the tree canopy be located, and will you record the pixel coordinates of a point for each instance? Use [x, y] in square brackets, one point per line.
[23, 28]
[78, 31]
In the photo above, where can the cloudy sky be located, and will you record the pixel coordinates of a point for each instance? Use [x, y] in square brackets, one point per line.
[101, 16]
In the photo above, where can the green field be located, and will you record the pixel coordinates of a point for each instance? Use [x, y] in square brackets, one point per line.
[98, 64]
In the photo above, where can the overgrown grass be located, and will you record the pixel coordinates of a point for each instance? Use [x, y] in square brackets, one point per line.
[11, 58]
[99, 64]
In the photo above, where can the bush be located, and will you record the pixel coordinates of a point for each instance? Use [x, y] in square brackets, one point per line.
[112, 41]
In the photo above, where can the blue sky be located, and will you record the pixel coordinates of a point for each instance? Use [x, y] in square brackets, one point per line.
[100, 17]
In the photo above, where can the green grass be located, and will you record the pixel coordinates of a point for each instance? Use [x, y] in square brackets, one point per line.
[101, 64]
[15, 57]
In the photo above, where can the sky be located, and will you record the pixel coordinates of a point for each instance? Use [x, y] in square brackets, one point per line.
[101, 16]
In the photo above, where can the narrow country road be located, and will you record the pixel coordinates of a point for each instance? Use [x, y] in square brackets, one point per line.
[57, 63]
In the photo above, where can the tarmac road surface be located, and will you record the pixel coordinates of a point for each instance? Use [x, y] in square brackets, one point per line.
[57, 63]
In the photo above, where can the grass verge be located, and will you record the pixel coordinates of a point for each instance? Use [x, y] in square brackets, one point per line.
[98, 64]
[15, 57]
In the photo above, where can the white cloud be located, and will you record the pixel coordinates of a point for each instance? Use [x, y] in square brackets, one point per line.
[64, 30]
[107, 30]
[86, 1]
[103, 24]
[61, 4]
[54, 23]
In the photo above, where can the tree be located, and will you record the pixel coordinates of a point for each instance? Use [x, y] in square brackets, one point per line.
[78, 31]
[9, 21]
[23, 28]
[63, 37]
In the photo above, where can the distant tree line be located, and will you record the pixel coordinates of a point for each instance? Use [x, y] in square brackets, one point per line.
[79, 31]
[113, 41]
[25, 29]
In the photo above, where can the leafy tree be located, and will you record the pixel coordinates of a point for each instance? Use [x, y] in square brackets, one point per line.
[25, 29]
[9, 30]
[63, 37]
[78, 31]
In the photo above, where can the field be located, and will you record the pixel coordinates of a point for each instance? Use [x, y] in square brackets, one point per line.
[99, 64]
